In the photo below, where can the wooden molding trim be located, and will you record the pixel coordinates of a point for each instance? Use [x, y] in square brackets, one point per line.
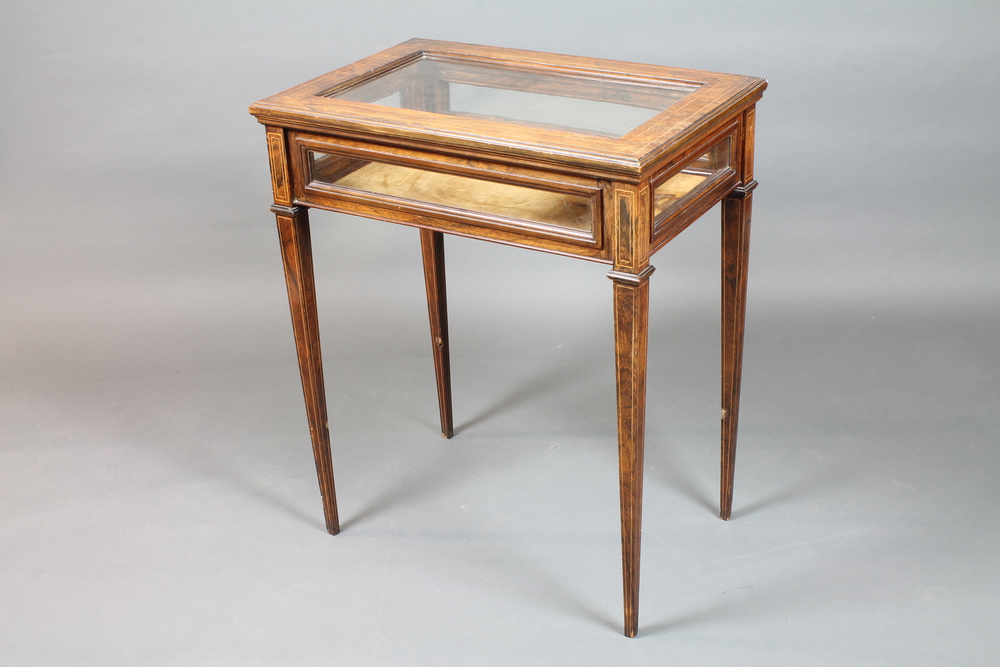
[742, 191]
[287, 211]
[632, 278]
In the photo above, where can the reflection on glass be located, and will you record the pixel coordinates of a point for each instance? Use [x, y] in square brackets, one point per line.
[610, 107]
[689, 180]
[460, 192]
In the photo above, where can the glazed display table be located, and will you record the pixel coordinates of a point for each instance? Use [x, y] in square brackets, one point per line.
[597, 159]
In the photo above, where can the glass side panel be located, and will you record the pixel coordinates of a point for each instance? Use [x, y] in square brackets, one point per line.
[669, 195]
[604, 106]
[568, 211]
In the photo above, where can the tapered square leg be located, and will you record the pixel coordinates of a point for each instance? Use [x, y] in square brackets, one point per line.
[296, 252]
[631, 300]
[432, 248]
[735, 254]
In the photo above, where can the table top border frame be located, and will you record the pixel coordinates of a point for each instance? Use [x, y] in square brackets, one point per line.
[718, 96]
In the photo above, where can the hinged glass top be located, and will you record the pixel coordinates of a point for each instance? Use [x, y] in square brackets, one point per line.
[580, 102]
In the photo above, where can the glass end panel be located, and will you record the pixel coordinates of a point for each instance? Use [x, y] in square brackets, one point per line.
[451, 86]
[464, 193]
[668, 196]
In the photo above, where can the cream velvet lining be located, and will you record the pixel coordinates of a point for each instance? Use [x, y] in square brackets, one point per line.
[673, 189]
[512, 201]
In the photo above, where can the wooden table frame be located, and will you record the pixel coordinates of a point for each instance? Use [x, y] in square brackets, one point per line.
[619, 176]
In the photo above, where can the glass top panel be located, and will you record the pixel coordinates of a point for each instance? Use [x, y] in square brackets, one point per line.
[603, 106]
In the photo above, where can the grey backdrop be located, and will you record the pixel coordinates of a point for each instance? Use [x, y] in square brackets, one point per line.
[158, 503]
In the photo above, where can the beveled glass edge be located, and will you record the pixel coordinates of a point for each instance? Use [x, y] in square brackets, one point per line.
[539, 68]
[348, 84]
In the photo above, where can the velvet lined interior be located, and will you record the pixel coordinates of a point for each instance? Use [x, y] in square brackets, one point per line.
[511, 201]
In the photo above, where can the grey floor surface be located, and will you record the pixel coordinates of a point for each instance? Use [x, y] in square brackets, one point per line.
[161, 517]
[158, 500]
